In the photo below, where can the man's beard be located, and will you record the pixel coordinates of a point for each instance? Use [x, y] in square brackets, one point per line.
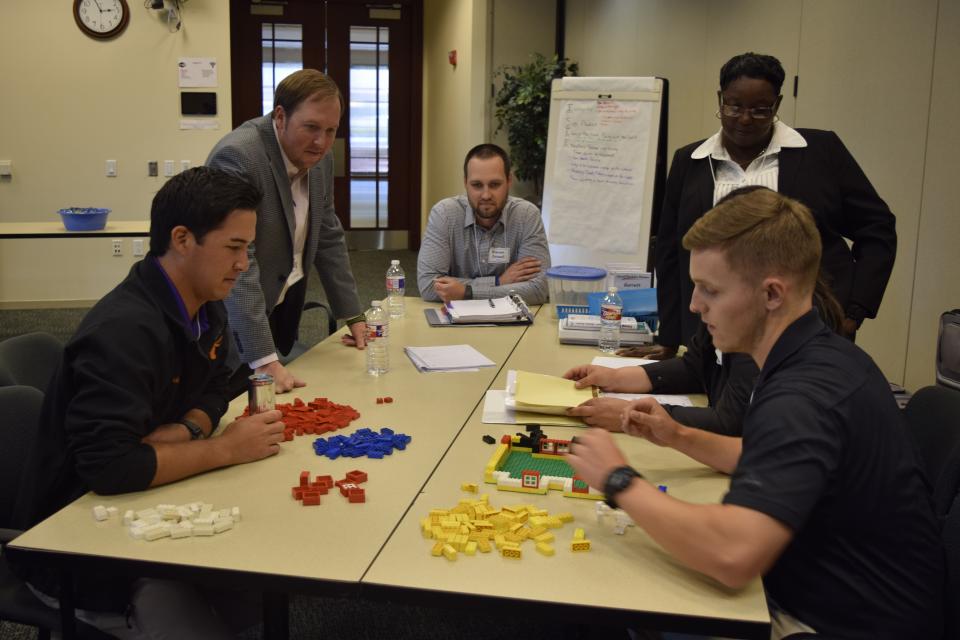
[493, 215]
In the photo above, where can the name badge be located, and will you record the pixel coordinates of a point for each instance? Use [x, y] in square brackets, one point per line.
[499, 255]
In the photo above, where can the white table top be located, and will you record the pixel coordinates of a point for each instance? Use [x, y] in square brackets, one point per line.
[335, 541]
[55, 229]
[628, 572]
[339, 543]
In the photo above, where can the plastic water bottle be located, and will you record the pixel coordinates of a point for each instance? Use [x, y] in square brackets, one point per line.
[395, 290]
[378, 339]
[611, 310]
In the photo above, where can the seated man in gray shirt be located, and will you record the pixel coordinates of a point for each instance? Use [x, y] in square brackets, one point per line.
[484, 244]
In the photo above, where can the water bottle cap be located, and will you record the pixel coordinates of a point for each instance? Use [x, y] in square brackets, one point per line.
[394, 262]
[612, 290]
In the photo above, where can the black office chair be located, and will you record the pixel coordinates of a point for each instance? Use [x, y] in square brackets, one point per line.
[20, 407]
[29, 359]
[933, 414]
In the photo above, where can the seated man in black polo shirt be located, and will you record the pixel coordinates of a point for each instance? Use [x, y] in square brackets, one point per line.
[826, 499]
[141, 387]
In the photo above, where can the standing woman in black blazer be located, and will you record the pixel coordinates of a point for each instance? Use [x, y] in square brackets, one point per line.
[753, 147]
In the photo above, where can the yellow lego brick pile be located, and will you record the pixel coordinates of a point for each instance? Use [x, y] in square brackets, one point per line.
[475, 525]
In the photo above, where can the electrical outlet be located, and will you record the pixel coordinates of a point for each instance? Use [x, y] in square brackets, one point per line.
[168, 168]
[117, 247]
[152, 170]
[138, 247]
[184, 165]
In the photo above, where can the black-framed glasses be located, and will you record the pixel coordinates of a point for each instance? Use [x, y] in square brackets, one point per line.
[757, 113]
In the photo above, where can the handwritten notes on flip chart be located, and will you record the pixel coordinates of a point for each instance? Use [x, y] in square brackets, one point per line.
[603, 146]
[599, 146]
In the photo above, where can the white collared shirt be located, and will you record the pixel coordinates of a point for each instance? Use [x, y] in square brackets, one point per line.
[300, 189]
[763, 171]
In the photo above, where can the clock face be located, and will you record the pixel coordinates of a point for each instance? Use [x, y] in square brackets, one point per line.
[101, 18]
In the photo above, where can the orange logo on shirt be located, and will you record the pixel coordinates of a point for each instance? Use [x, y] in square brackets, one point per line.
[216, 345]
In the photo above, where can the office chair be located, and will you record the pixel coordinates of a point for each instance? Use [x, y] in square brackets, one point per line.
[29, 359]
[933, 415]
[20, 407]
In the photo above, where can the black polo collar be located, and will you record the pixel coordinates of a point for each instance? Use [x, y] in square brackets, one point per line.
[794, 337]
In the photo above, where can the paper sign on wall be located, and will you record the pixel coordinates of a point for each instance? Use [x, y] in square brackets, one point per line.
[197, 72]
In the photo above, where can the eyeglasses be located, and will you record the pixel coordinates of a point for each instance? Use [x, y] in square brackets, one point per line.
[757, 113]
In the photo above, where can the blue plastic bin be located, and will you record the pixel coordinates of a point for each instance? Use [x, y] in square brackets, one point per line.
[84, 218]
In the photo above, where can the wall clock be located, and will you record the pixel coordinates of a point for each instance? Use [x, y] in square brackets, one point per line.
[101, 19]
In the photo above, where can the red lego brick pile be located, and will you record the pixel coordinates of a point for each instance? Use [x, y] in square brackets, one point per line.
[309, 492]
[314, 417]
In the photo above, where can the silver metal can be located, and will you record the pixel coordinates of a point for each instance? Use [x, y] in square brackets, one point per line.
[260, 396]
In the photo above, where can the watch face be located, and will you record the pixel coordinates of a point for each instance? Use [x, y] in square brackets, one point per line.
[101, 17]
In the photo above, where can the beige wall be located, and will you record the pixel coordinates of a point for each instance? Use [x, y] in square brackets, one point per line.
[454, 105]
[881, 74]
[70, 103]
[936, 277]
[512, 43]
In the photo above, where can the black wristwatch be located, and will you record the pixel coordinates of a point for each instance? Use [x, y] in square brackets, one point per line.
[467, 292]
[195, 431]
[618, 480]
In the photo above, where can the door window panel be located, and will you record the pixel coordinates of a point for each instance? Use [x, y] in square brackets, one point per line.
[369, 126]
[282, 47]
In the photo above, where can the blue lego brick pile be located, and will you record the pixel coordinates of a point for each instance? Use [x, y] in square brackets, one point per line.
[362, 442]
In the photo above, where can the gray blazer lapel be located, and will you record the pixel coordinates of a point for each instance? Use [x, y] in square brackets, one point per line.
[279, 172]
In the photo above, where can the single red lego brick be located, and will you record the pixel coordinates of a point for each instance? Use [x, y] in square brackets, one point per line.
[325, 481]
[311, 500]
[297, 492]
[357, 495]
[356, 476]
[379, 400]
[388, 400]
[304, 478]
[346, 487]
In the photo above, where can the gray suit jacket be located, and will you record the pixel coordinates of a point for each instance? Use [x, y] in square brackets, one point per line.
[252, 150]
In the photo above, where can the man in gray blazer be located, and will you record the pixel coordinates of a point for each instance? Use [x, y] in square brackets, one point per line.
[286, 154]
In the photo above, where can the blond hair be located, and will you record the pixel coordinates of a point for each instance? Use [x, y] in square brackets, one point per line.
[302, 85]
[761, 233]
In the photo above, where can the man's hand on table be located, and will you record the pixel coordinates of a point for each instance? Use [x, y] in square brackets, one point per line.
[252, 438]
[356, 336]
[283, 380]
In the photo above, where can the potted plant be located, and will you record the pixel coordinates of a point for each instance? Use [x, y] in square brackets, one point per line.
[523, 108]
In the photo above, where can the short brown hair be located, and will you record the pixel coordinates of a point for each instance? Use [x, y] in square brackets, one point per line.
[761, 233]
[302, 85]
[484, 152]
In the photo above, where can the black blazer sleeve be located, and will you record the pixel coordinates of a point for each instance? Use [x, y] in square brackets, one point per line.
[869, 223]
[667, 258]
[826, 178]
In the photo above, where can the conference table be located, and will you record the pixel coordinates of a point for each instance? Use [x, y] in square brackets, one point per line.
[375, 549]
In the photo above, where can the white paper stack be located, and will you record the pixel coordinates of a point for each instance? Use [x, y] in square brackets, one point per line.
[457, 357]
[585, 329]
